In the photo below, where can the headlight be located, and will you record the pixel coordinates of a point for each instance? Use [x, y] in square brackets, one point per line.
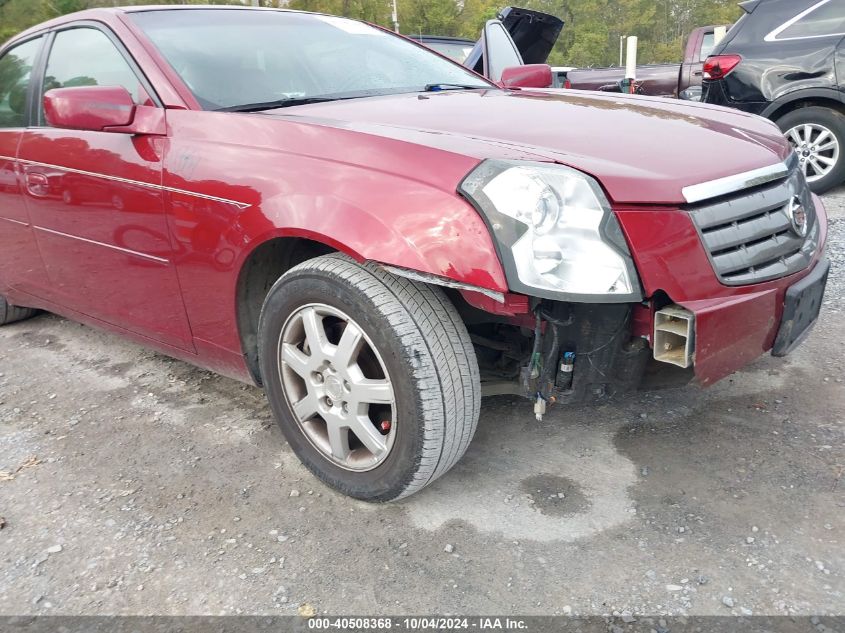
[556, 234]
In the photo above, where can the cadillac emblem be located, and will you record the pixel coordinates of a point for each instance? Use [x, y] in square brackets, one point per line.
[797, 216]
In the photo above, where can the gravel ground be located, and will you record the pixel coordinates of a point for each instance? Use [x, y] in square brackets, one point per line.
[136, 484]
[835, 296]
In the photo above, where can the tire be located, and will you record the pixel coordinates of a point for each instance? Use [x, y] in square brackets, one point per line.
[10, 313]
[425, 355]
[818, 118]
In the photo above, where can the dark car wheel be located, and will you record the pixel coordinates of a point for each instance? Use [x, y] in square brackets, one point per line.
[371, 377]
[818, 136]
[10, 313]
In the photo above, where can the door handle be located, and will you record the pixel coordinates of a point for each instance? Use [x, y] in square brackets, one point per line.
[37, 184]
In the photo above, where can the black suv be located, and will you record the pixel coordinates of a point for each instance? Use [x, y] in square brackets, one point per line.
[785, 60]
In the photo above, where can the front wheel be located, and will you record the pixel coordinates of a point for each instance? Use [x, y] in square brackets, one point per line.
[818, 136]
[371, 377]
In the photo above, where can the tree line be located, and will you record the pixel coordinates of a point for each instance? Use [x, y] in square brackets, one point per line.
[589, 38]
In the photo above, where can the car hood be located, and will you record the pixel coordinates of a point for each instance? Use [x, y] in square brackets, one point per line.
[642, 150]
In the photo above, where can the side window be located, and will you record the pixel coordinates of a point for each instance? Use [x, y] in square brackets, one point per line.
[87, 57]
[15, 70]
[824, 19]
[708, 43]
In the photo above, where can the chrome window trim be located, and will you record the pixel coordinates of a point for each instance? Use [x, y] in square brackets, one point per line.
[738, 182]
[773, 36]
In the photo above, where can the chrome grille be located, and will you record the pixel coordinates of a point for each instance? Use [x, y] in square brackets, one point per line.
[750, 236]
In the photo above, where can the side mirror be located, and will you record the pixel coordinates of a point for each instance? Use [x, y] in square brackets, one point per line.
[94, 108]
[528, 76]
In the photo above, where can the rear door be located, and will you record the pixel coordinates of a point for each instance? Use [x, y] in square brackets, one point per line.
[21, 267]
[96, 199]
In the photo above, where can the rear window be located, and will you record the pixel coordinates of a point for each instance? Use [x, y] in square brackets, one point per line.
[708, 43]
[824, 19]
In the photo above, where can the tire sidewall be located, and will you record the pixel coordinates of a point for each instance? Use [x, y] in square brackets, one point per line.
[390, 478]
[832, 120]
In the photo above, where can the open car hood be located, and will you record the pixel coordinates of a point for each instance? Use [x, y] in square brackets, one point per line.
[533, 32]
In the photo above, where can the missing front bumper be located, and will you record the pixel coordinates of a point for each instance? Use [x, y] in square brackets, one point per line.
[801, 307]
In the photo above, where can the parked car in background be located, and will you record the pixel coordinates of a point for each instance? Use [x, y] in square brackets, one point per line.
[456, 48]
[785, 60]
[535, 33]
[524, 37]
[663, 80]
[379, 237]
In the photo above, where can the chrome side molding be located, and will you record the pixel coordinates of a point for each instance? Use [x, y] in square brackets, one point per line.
[436, 280]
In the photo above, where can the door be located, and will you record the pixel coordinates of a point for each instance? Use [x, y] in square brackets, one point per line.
[20, 264]
[96, 201]
[700, 44]
[532, 33]
[499, 50]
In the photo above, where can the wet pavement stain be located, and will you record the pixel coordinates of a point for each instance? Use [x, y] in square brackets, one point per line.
[555, 496]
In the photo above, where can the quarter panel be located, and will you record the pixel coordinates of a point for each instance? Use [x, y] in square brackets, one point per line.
[773, 69]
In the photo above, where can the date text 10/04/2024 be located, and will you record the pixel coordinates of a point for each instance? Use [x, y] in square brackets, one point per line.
[416, 623]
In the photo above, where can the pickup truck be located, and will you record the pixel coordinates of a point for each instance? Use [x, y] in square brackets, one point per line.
[662, 80]
[379, 237]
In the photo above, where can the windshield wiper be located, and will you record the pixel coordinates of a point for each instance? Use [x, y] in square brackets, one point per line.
[295, 101]
[448, 86]
[279, 103]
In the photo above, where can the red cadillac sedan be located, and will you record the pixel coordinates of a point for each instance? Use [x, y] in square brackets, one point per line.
[379, 237]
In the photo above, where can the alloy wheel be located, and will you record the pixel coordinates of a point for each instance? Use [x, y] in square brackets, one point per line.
[337, 387]
[817, 148]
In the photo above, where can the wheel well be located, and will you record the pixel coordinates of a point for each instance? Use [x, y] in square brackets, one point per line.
[262, 269]
[786, 108]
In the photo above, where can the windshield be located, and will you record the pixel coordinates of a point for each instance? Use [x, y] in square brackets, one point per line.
[236, 57]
